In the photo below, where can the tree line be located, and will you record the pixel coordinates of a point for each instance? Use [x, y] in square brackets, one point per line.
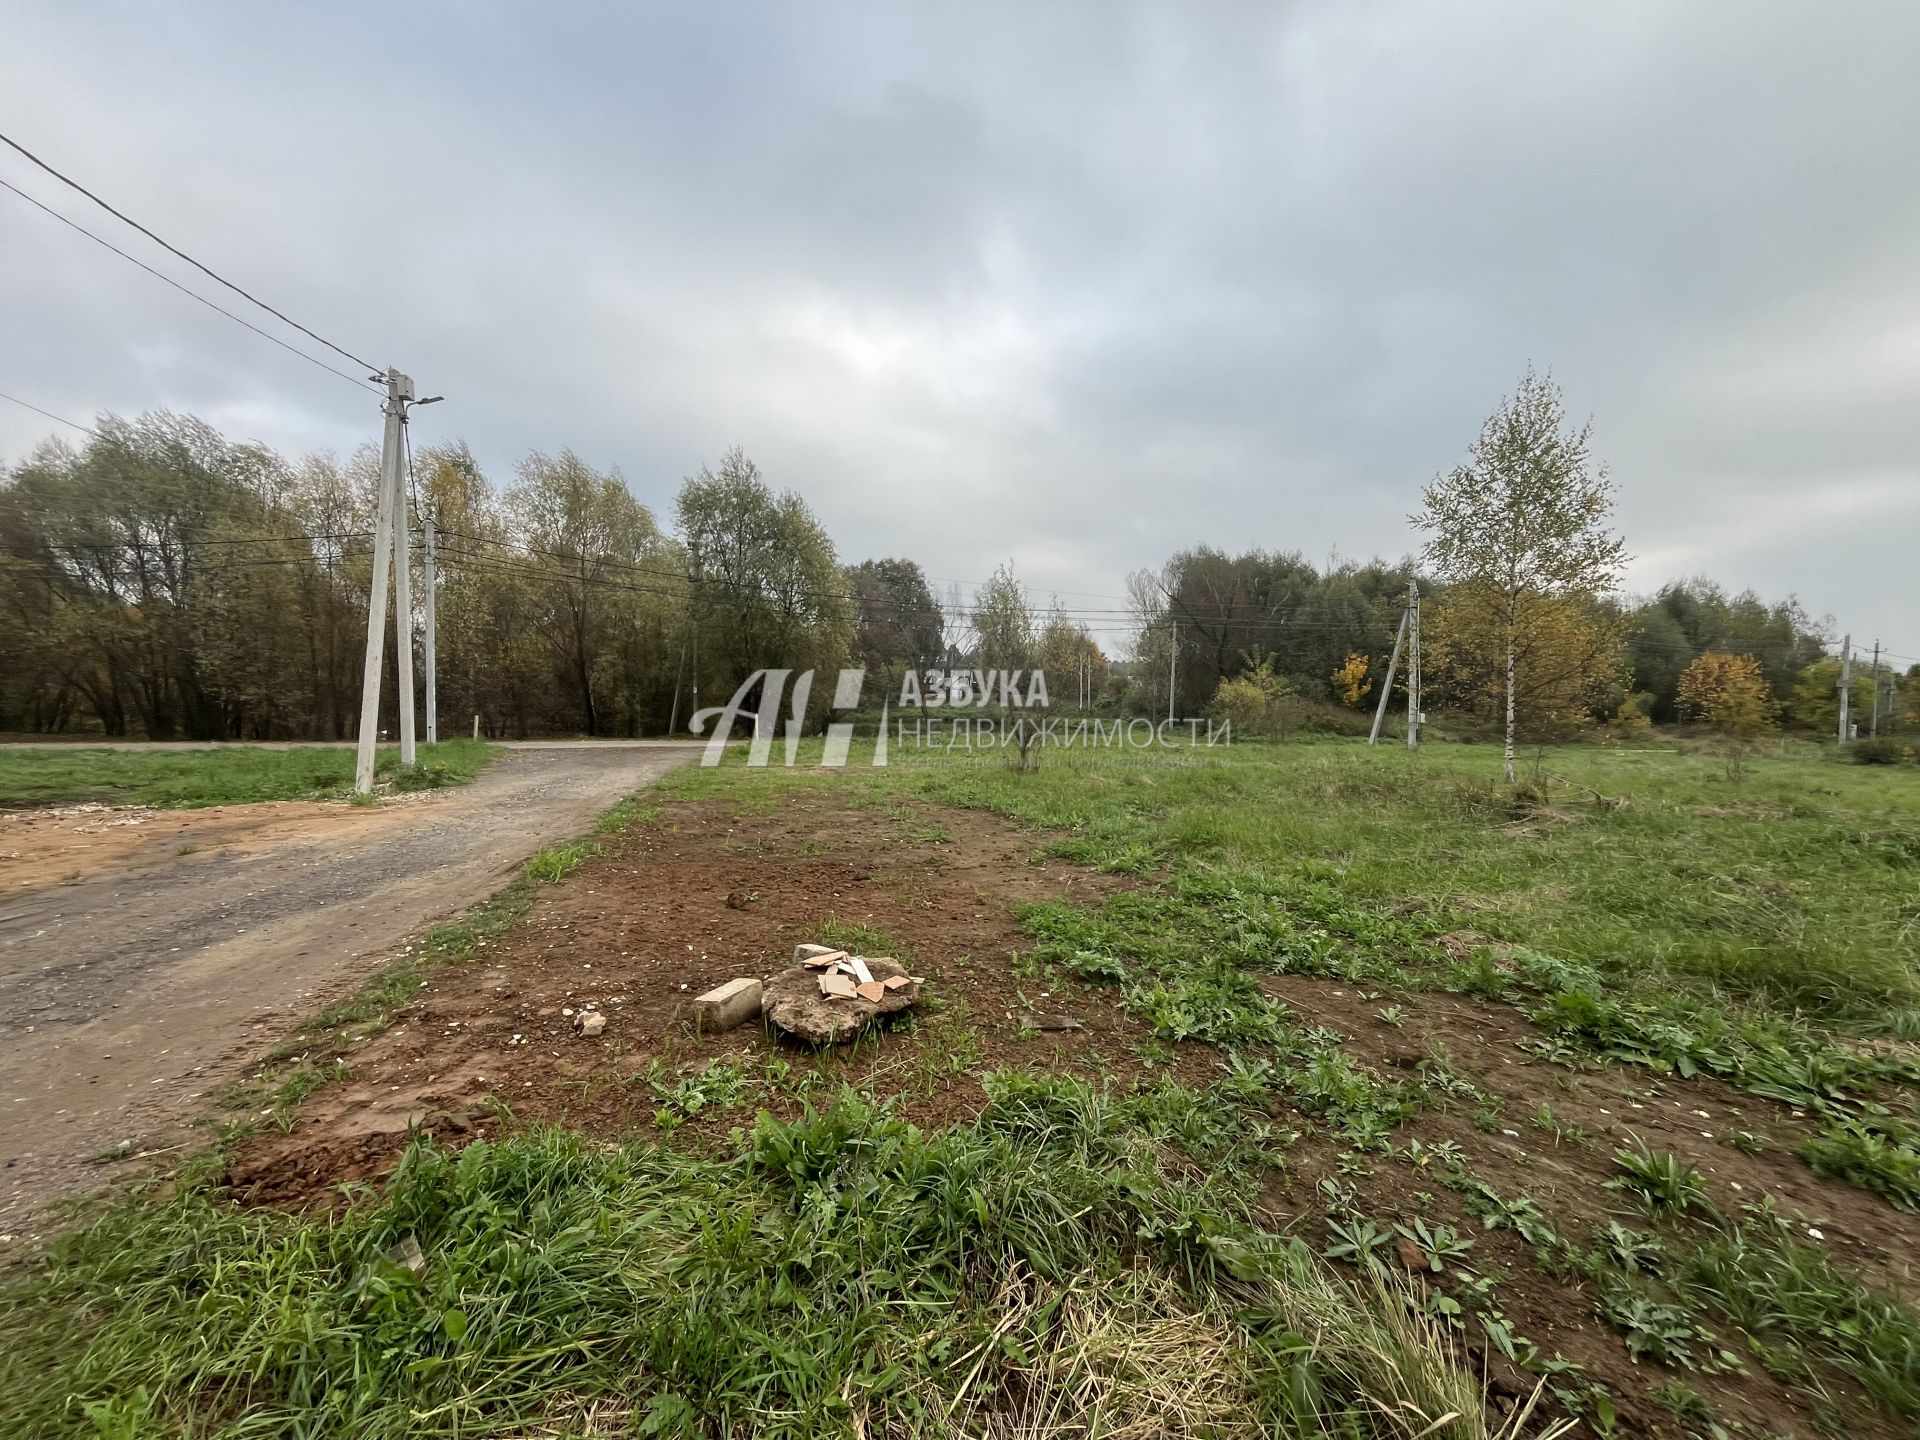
[161, 581]
[1525, 632]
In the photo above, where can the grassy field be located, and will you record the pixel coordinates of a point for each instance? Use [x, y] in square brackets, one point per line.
[1791, 892]
[1090, 1259]
[229, 775]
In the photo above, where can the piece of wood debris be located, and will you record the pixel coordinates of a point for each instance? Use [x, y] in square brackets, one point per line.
[895, 982]
[838, 987]
[871, 990]
[860, 970]
[818, 957]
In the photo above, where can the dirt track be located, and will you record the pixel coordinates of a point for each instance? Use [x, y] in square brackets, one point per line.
[131, 995]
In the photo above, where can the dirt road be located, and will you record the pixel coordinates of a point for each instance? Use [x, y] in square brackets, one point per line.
[133, 995]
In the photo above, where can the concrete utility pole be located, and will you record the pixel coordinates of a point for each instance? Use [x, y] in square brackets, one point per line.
[1386, 686]
[403, 603]
[399, 391]
[1874, 727]
[390, 552]
[433, 702]
[1846, 683]
[1173, 664]
[1413, 665]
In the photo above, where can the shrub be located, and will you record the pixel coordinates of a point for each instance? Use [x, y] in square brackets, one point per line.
[1253, 702]
[1891, 1171]
[1879, 750]
[427, 775]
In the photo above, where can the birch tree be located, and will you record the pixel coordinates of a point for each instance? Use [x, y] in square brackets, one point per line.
[1525, 520]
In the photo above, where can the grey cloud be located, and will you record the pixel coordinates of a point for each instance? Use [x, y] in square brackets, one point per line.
[1075, 285]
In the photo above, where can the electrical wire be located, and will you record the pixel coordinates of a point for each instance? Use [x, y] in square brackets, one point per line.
[174, 250]
[28, 405]
[195, 543]
[193, 294]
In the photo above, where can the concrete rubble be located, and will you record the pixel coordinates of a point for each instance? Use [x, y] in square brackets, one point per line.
[728, 1005]
[828, 995]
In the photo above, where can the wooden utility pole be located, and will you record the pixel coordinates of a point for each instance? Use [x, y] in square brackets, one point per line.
[1846, 684]
[432, 576]
[1413, 665]
[1386, 686]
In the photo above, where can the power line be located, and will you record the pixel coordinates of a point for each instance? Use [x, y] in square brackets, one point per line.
[194, 543]
[516, 560]
[193, 294]
[27, 405]
[173, 250]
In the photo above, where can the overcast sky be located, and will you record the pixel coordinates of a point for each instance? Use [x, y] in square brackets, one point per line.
[1070, 285]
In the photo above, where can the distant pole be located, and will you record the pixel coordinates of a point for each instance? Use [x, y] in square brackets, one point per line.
[1874, 726]
[1413, 665]
[433, 701]
[399, 391]
[1846, 683]
[1386, 687]
[694, 680]
[1173, 662]
[403, 608]
[476, 725]
[679, 679]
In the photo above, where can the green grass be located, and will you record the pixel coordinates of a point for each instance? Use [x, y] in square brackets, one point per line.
[229, 775]
[1642, 905]
[845, 1273]
[1797, 889]
[842, 1273]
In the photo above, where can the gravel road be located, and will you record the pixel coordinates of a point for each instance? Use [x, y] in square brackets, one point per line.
[129, 999]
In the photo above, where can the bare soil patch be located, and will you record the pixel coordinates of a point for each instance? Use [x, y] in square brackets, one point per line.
[52, 847]
[702, 895]
[711, 891]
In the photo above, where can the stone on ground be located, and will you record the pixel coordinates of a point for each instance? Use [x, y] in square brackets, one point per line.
[792, 1000]
[728, 1005]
